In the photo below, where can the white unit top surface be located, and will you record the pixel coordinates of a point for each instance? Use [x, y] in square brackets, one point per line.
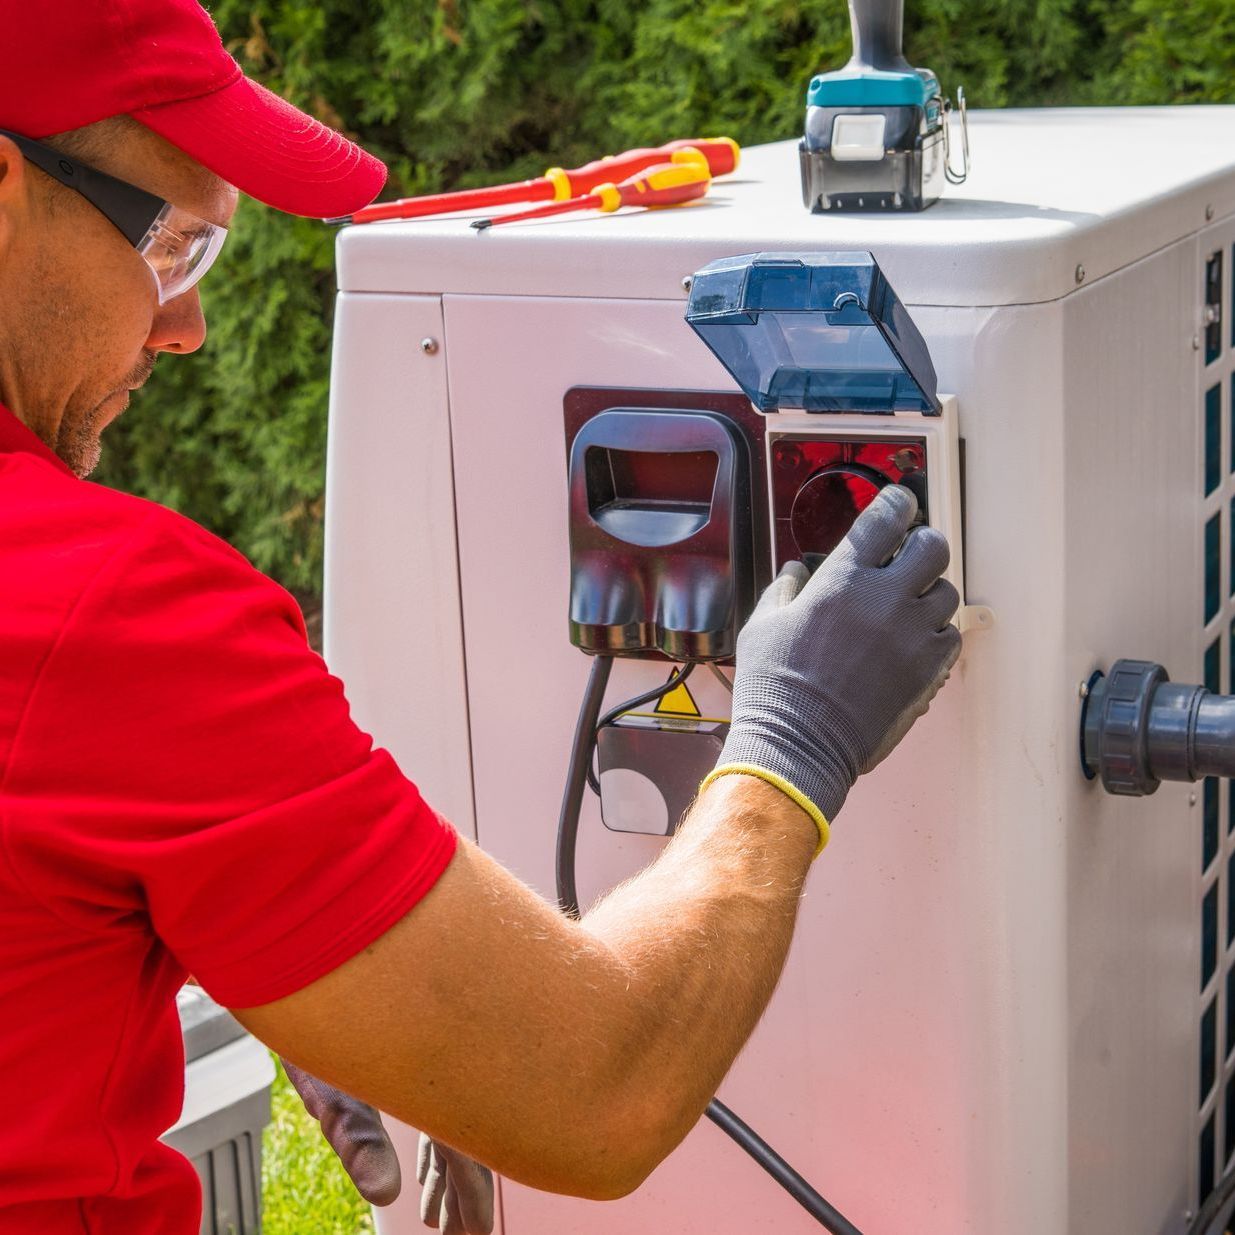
[1052, 193]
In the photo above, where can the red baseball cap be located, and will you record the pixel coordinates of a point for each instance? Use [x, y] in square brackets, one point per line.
[68, 63]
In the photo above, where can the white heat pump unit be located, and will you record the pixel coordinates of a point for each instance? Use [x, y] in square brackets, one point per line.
[1010, 1004]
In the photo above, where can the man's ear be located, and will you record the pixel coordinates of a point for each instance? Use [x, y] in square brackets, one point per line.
[14, 184]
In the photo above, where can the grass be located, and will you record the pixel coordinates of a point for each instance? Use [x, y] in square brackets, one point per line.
[303, 1185]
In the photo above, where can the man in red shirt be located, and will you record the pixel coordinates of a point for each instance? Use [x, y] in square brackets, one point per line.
[183, 791]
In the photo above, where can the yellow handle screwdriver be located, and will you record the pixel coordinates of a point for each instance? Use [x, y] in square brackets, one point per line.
[666, 184]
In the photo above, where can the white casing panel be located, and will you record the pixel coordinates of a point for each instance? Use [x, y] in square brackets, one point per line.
[989, 1019]
[389, 467]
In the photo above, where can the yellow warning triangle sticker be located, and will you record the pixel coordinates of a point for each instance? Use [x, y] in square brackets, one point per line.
[678, 702]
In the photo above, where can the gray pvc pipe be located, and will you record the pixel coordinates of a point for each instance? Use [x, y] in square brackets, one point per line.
[1169, 740]
[1190, 733]
[1140, 728]
[1213, 743]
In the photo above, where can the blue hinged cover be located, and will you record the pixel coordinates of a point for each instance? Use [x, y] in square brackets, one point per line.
[823, 332]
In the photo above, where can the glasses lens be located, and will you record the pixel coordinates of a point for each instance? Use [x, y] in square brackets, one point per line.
[179, 248]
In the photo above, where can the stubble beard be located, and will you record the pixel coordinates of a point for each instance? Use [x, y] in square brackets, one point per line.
[78, 442]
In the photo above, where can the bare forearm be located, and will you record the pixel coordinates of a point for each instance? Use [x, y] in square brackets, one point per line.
[702, 936]
[571, 1056]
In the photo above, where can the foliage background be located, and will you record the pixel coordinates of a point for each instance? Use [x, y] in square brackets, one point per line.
[460, 92]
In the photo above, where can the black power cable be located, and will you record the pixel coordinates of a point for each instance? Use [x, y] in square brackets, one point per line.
[578, 776]
[576, 779]
[826, 1215]
[676, 678]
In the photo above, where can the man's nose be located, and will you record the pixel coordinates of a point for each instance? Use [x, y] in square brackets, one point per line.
[178, 325]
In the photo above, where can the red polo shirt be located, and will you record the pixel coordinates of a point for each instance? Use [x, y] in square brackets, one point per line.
[182, 791]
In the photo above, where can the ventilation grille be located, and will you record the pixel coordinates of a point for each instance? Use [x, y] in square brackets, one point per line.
[1216, 1100]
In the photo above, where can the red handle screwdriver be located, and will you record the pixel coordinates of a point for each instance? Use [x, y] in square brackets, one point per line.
[557, 184]
[668, 184]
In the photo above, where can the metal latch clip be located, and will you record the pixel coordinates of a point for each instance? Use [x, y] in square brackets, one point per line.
[956, 177]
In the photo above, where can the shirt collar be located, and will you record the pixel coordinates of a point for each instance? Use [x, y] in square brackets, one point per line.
[16, 438]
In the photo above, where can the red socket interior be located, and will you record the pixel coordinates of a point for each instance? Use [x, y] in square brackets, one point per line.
[819, 486]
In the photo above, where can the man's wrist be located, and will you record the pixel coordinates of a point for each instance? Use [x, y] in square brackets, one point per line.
[804, 765]
[753, 791]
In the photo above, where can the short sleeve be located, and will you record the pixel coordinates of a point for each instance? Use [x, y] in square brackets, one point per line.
[187, 766]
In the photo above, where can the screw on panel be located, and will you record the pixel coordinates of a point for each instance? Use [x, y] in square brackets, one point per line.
[1192, 799]
[1083, 689]
[687, 282]
[1196, 342]
[1080, 273]
[1209, 212]
[428, 346]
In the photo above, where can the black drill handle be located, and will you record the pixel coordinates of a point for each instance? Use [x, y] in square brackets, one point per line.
[878, 33]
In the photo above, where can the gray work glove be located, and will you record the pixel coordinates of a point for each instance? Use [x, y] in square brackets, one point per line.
[833, 668]
[354, 1131]
[458, 1193]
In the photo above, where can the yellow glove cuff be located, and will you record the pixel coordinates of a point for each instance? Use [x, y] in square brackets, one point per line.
[779, 782]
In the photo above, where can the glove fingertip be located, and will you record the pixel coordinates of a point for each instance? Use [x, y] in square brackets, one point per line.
[479, 1195]
[924, 556]
[956, 644]
[789, 581]
[880, 529]
[374, 1169]
[424, 1151]
[382, 1193]
[432, 1204]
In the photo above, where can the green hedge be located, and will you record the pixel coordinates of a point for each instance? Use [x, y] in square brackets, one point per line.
[457, 92]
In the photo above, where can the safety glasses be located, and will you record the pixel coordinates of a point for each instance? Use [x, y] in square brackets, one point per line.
[177, 246]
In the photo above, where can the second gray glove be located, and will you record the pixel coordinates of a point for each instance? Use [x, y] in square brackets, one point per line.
[458, 1193]
[354, 1131]
[833, 668]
